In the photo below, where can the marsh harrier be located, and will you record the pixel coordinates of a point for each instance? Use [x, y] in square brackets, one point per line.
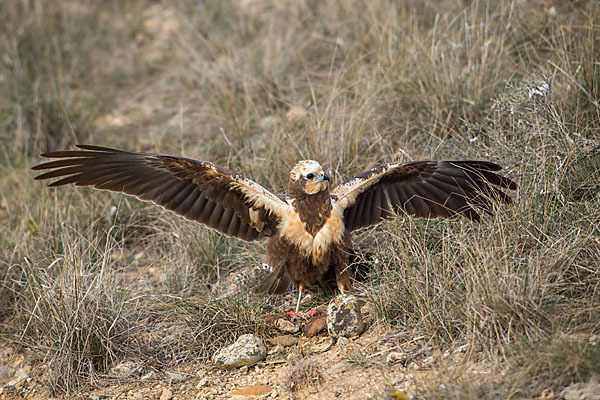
[309, 229]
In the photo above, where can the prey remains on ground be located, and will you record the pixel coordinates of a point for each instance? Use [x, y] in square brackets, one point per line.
[309, 229]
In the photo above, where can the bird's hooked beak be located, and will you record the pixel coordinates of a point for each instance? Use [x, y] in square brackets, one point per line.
[322, 177]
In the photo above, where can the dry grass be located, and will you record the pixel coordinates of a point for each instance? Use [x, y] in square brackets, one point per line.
[259, 84]
[304, 373]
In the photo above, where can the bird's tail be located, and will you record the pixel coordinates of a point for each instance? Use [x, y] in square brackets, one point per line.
[276, 283]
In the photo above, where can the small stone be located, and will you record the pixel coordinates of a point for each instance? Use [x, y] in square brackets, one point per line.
[20, 376]
[582, 391]
[125, 369]
[284, 340]
[344, 318]
[342, 341]
[308, 297]
[315, 325]
[252, 391]
[202, 383]
[174, 376]
[166, 394]
[428, 361]
[276, 354]
[247, 350]
[277, 349]
[286, 326]
[321, 348]
[244, 369]
[395, 357]
[7, 373]
[337, 393]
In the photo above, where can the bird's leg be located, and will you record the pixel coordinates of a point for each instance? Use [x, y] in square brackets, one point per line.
[300, 287]
[341, 287]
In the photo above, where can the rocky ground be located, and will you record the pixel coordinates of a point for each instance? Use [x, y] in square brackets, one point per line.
[379, 363]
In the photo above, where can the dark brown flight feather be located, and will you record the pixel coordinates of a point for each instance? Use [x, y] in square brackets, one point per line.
[424, 189]
[198, 190]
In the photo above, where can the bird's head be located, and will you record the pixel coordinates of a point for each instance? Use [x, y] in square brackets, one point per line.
[308, 175]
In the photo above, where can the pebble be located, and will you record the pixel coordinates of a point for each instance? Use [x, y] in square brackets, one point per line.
[125, 369]
[202, 383]
[322, 347]
[166, 394]
[20, 376]
[344, 318]
[6, 373]
[284, 340]
[247, 350]
[174, 376]
[315, 326]
[394, 357]
[582, 391]
[252, 391]
[286, 326]
[275, 349]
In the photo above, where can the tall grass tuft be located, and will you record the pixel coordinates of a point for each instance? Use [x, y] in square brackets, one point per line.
[77, 316]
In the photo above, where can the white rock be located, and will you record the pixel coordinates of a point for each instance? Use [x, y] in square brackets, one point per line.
[125, 369]
[394, 357]
[582, 391]
[342, 341]
[174, 376]
[247, 350]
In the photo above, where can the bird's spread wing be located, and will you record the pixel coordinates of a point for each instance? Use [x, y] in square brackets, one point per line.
[198, 190]
[425, 189]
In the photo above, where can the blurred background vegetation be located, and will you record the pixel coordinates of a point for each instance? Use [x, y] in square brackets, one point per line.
[90, 278]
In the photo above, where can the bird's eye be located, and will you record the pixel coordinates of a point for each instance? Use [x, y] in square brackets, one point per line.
[310, 176]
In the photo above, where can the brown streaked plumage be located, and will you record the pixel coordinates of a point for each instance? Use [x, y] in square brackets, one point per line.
[309, 229]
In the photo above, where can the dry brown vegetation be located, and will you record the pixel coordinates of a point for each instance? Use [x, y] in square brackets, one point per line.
[258, 84]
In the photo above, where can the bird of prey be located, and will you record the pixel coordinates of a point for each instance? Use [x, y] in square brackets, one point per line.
[309, 229]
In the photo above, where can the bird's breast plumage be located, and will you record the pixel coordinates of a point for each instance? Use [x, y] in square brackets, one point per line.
[310, 242]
